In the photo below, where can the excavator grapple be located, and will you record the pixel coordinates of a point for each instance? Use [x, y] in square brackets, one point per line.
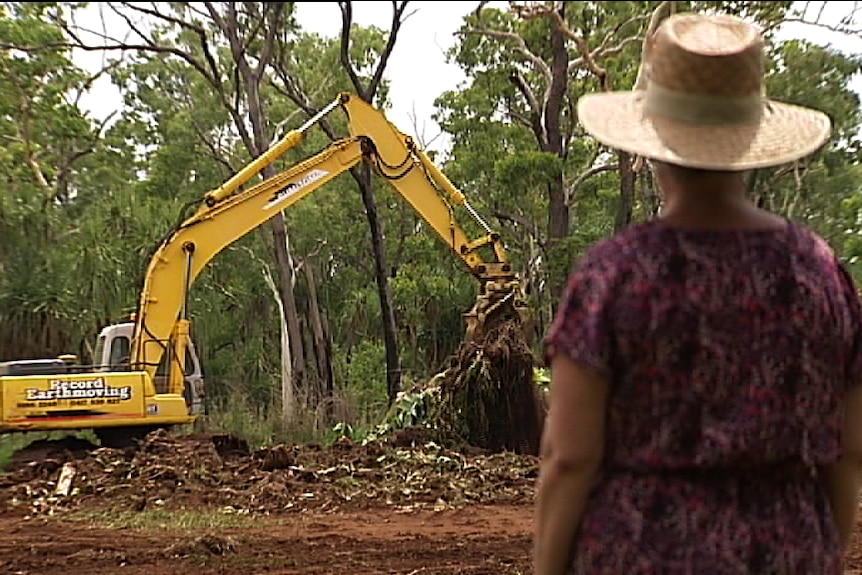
[499, 301]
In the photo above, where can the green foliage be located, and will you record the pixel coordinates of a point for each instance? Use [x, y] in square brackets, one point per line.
[45, 138]
[418, 408]
[414, 409]
[359, 370]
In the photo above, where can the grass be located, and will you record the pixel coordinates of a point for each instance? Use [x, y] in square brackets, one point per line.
[13, 442]
[262, 427]
[164, 520]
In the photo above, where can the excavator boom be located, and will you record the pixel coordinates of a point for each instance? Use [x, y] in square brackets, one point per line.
[191, 246]
[226, 214]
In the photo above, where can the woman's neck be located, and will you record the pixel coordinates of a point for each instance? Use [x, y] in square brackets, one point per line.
[720, 204]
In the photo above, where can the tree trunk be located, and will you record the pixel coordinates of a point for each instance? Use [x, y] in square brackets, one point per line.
[286, 275]
[649, 194]
[627, 191]
[321, 350]
[327, 342]
[281, 246]
[384, 291]
[558, 208]
[288, 393]
[311, 396]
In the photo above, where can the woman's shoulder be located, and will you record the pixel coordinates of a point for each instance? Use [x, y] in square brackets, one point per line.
[817, 255]
[811, 242]
[654, 243]
[642, 237]
[636, 241]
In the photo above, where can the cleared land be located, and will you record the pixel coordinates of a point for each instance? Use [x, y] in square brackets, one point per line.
[208, 505]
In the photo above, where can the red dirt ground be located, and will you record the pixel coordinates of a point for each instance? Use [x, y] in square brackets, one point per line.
[352, 509]
[479, 540]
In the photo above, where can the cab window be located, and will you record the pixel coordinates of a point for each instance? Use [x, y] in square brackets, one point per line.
[97, 353]
[119, 356]
[189, 366]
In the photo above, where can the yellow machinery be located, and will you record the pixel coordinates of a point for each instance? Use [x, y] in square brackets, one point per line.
[146, 373]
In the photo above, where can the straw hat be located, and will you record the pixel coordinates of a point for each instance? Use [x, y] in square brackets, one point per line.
[704, 104]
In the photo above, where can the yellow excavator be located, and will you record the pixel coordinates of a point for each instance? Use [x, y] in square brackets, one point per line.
[146, 373]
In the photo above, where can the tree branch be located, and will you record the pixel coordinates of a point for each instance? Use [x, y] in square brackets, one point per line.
[211, 147]
[517, 116]
[572, 188]
[539, 65]
[87, 84]
[535, 118]
[847, 25]
[243, 75]
[209, 68]
[397, 20]
[588, 57]
[276, 11]
[530, 226]
[346, 25]
[288, 89]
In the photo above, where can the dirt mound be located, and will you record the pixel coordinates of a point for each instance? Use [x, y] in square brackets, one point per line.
[220, 471]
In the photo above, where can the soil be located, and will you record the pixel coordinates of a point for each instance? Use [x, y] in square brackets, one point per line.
[207, 505]
[487, 540]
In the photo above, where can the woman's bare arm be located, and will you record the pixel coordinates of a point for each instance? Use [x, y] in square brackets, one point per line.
[572, 452]
[842, 480]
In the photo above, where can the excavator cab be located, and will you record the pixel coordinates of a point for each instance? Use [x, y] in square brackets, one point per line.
[113, 354]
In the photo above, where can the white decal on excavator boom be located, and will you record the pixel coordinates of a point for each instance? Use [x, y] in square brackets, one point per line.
[294, 187]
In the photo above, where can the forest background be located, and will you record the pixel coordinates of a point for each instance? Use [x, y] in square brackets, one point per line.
[325, 314]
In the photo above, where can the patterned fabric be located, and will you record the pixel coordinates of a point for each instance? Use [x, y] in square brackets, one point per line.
[729, 353]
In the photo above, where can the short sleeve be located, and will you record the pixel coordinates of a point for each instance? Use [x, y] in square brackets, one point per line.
[582, 327]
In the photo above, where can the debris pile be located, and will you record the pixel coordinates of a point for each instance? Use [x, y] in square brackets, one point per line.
[488, 396]
[221, 472]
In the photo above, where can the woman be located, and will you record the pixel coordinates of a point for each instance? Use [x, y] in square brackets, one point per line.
[704, 414]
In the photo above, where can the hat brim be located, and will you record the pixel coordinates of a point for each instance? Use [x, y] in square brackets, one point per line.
[785, 133]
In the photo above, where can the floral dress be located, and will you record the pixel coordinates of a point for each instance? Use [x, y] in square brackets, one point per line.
[729, 353]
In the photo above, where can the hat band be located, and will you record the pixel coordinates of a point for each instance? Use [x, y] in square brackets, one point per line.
[701, 108]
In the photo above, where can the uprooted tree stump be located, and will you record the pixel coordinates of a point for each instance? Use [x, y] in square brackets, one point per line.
[488, 396]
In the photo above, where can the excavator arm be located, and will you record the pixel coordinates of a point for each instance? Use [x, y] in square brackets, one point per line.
[398, 159]
[228, 213]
